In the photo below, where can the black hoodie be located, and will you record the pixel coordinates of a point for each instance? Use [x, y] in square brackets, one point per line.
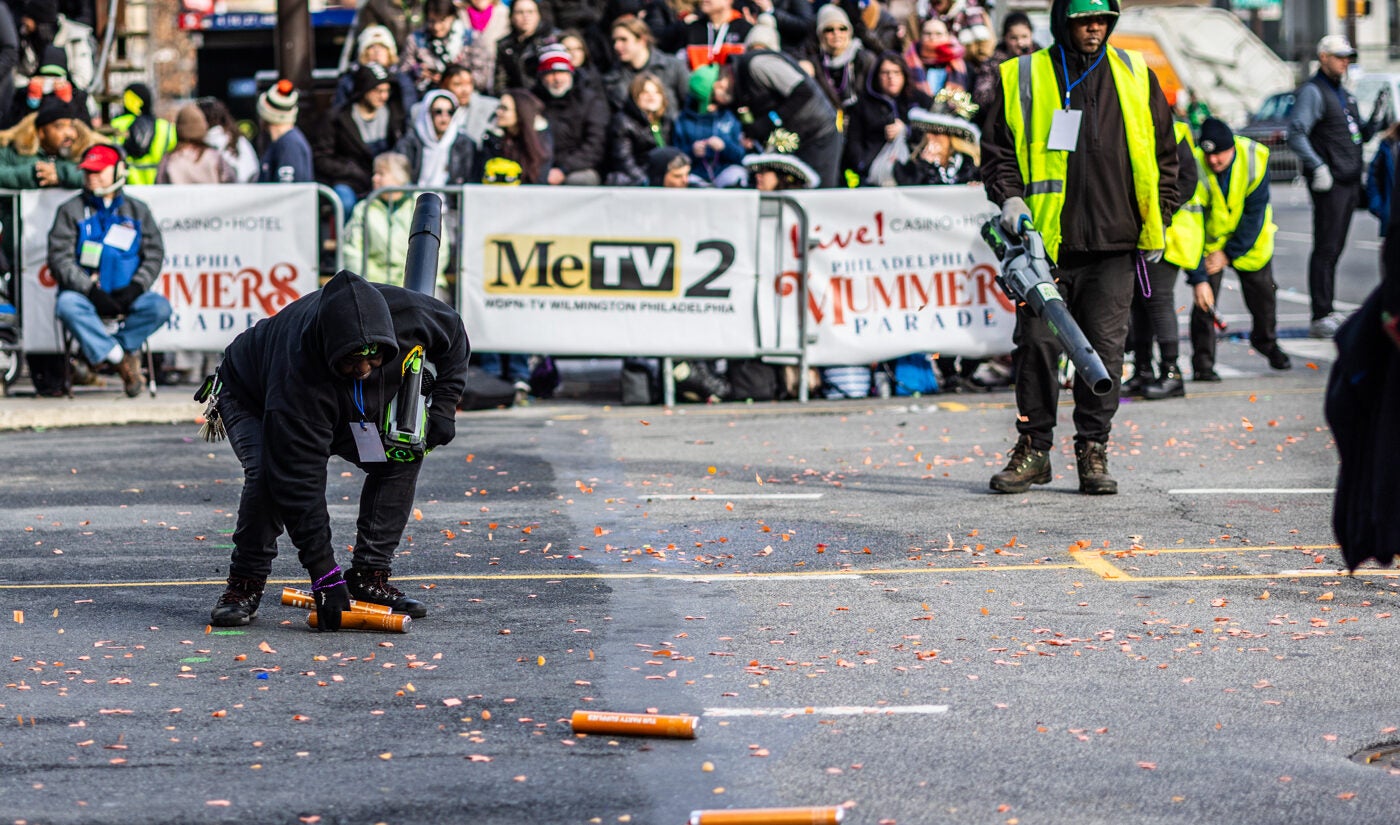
[1100, 212]
[281, 370]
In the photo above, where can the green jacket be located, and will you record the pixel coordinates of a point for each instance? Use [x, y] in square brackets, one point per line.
[17, 171]
[383, 228]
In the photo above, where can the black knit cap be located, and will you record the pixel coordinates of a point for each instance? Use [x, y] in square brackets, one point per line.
[50, 110]
[1216, 136]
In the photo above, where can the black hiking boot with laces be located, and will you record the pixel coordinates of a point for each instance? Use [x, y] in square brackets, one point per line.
[1094, 479]
[239, 603]
[1027, 466]
[373, 586]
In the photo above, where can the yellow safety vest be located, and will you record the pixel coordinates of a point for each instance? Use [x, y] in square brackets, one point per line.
[1187, 235]
[142, 170]
[1032, 95]
[1248, 171]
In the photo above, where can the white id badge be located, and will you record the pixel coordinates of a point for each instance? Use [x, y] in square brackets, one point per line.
[1064, 130]
[367, 442]
[120, 236]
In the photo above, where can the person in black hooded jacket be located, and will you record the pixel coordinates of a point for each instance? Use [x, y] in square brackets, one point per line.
[881, 113]
[311, 382]
[1090, 125]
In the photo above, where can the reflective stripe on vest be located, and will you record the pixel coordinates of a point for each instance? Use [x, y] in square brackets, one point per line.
[1032, 94]
[1187, 235]
[1248, 171]
[142, 170]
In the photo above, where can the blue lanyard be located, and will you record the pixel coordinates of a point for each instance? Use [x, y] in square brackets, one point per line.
[358, 396]
[1064, 64]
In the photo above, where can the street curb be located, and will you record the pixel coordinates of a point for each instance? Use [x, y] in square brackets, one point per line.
[18, 413]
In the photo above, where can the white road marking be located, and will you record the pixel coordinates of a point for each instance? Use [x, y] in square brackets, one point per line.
[837, 710]
[734, 497]
[1216, 491]
[1306, 237]
[1293, 296]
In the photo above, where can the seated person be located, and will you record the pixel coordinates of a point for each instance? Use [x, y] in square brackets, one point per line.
[668, 168]
[105, 251]
[37, 152]
[711, 136]
[376, 236]
[578, 118]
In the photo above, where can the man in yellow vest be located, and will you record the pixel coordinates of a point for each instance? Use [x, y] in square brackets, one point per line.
[144, 137]
[1239, 234]
[1079, 140]
[1154, 303]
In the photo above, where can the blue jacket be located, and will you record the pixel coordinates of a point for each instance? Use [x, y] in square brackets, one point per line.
[1380, 180]
[692, 126]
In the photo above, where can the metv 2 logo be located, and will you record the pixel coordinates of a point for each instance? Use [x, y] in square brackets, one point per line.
[553, 264]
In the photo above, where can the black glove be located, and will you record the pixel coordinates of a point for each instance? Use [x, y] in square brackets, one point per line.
[332, 598]
[104, 303]
[127, 295]
[442, 427]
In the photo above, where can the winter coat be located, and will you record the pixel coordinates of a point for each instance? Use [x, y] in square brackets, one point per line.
[497, 145]
[692, 126]
[867, 119]
[462, 167]
[282, 371]
[187, 164]
[631, 137]
[517, 59]
[20, 149]
[341, 154]
[1381, 179]
[579, 121]
[675, 80]
[144, 257]
[382, 228]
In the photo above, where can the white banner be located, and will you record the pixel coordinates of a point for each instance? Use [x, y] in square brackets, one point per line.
[897, 271]
[610, 271]
[234, 254]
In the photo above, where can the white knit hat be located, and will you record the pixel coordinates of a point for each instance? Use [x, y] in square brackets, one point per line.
[379, 35]
[279, 104]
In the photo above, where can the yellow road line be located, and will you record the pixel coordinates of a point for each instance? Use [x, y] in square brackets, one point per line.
[1101, 566]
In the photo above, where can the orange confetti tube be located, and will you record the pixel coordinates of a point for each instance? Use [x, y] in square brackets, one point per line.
[635, 724]
[391, 623]
[300, 598]
[769, 816]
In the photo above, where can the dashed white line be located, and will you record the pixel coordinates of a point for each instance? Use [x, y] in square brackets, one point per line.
[1259, 491]
[836, 710]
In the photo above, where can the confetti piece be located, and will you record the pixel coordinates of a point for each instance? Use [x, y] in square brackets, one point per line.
[19, 617]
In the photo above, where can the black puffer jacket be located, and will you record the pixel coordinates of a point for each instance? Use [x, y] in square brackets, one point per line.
[579, 121]
[1100, 212]
[630, 139]
[873, 111]
[340, 154]
[281, 371]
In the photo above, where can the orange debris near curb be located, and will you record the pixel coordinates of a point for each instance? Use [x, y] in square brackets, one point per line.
[635, 724]
[769, 816]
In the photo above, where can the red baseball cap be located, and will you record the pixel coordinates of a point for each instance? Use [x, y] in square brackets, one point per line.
[99, 157]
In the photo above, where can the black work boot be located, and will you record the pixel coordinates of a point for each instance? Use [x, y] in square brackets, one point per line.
[239, 603]
[1027, 466]
[1093, 469]
[1135, 386]
[373, 586]
[1170, 385]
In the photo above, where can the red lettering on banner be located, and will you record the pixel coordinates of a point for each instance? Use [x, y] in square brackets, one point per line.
[46, 278]
[862, 235]
[904, 292]
[248, 288]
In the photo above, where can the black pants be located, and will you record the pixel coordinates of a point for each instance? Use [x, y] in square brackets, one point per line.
[1099, 290]
[1331, 221]
[1259, 297]
[823, 154]
[1154, 318]
[385, 503]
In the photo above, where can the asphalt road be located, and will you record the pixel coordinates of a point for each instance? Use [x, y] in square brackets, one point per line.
[856, 619]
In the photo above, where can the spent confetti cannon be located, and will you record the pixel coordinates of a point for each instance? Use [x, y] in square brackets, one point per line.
[349, 620]
[1025, 278]
[293, 597]
[635, 724]
[769, 816]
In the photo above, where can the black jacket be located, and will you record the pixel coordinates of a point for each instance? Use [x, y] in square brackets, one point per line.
[281, 371]
[518, 59]
[873, 111]
[463, 165]
[803, 108]
[1100, 213]
[579, 122]
[340, 154]
[630, 140]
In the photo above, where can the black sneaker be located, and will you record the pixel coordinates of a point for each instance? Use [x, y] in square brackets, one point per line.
[373, 586]
[1207, 375]
[1027, 466]
[239, 603]
[1278, 359]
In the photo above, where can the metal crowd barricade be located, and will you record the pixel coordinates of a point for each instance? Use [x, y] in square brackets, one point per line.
[324, 192]
[11, 341]
[786, 341]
